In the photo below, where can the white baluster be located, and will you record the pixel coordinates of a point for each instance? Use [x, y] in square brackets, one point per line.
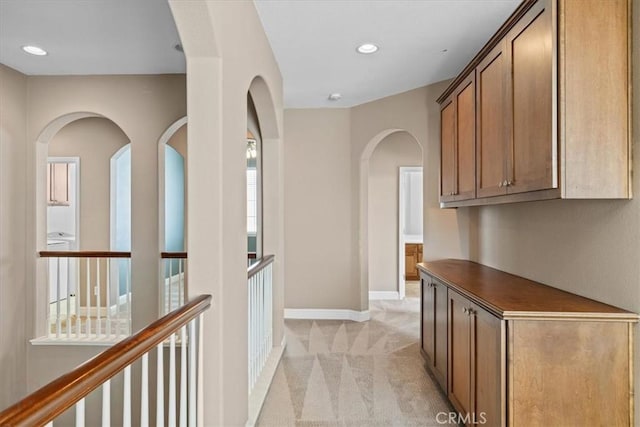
[88, 299]
[180, 289]
[172, 381]
[118, 309]
[270, 305]
[160, 387]
[183, 376]
[78, 320]
[108, 297]
[144, 392]
[192, 374]
[170, 286]
[49, 424]
[68, 317]
[200, 396]
[80, 413]
[128, 296]
[58, 323]
[126, 409]
[106, 404]
[97, 288]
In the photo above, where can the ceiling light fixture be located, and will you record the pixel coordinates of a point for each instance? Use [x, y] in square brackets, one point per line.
[367, 48]
[34, 50]
[335, 97]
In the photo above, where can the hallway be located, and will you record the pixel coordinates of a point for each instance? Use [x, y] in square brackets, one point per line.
[343, 373]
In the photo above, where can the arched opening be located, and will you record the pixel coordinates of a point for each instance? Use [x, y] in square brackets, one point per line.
[172, 215]
[254, 184]
[390, 214]
[83, 205]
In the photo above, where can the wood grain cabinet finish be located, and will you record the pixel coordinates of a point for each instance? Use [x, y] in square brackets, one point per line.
[412, 256]
[523, 353]
[434, 327]
[458, 142]
[475, 356]
[553, 118]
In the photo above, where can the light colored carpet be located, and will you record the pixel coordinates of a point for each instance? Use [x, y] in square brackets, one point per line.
[412, 289]
[343, 373]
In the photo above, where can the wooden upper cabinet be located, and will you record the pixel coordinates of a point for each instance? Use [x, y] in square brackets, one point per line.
[532, 156]
[492, 114]
[447, 152]
[552, 108]
[458, 135]
[465, 100]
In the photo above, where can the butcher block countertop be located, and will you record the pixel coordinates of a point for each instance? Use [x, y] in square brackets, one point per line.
[513, 297]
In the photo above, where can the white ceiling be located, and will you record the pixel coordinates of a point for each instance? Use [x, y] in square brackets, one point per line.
[314, 41]
[90, 37]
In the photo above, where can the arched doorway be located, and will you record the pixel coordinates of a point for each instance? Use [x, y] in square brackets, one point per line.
[381, 253]
[172, 215]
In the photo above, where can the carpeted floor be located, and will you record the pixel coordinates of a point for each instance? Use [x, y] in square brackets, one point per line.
[343, 373]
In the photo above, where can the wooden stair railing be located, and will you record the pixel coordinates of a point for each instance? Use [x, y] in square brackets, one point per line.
[45, 404]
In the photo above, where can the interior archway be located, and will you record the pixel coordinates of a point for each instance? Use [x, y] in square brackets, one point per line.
[364, 215]
[89, 139]
[172, 213]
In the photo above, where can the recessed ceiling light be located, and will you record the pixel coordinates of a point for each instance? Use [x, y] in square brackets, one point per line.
[34, 50]
[367, 48]
[335, 97]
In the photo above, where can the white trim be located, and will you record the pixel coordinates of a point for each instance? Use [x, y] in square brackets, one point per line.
[93, 340]
[326, 314]
[260, 390]
[378, 295]
[403, 238]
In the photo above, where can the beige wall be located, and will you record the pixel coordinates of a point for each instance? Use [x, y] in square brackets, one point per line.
[591, 248]
[95, 141]
[224, 58]
[396, 150]
[318, 209]
[143, 107]
[13, 146]
[339, 172]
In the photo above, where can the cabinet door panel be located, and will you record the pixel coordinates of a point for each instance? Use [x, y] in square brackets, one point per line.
[532, 158]
[492, 127]
[428, 317]
[466, 141]
[459, 371]
[440, 334]
[447, 152]
[488, 367]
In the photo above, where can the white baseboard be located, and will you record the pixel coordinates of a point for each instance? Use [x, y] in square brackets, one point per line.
[326, 314]
[375, 295]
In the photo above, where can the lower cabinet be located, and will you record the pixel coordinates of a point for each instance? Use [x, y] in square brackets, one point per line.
[434, 327]
[476, 378]
[507, 351]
